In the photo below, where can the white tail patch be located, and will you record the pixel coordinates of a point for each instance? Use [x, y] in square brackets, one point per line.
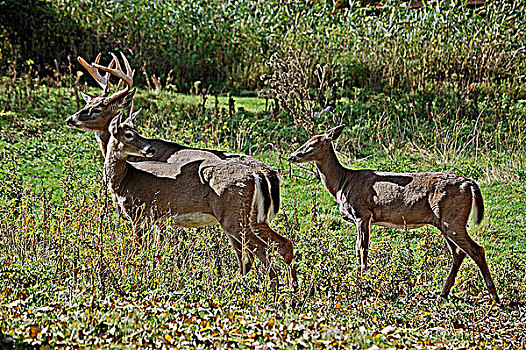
[474, 207]
[258, 201]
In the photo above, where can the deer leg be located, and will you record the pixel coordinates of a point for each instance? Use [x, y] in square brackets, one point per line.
[285, 248]
[362, 243]
[458, 256]
[244, 256]
[259, 247]
[461, 238]
[254, 244]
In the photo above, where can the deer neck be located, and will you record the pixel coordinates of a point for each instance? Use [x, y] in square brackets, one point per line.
[103, 138]
[115, 167]
[332, 173]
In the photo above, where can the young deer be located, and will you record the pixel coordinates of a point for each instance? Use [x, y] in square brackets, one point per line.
[199, 192]
[396, 200]
[223, 173]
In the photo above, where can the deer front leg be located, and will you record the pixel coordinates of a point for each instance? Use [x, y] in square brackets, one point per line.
[254, 245]
[362, 243]
[285, 248]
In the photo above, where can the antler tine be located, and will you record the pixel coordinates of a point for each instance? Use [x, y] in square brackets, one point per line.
[129, 71]
[93, 71]
[134, 115]
[107, 77]
[117, 71]
[131, 110]
[97, 59]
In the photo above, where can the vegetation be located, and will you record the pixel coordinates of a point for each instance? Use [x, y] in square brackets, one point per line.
[441, 88]
[225, 44]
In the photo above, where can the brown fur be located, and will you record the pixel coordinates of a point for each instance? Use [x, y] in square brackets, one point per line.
[411, 200]
[194, 192]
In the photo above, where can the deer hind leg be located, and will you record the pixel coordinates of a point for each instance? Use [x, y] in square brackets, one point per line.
[461, 238]
[458, 256]
[254, 245]
[363, 227]
[285, 247]
[244, 256]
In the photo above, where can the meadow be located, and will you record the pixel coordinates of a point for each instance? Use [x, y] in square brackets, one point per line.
[70, 276]
[441, 88]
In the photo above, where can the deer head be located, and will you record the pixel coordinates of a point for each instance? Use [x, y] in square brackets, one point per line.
[125, 139]
[100, 110]
[317, 147]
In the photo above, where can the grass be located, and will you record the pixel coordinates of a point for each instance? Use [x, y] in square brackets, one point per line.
[69, 277]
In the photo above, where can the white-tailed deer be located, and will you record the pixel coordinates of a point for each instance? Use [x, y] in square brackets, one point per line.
[398, 200]
[100, 110]
[223, 170]
[194, 193]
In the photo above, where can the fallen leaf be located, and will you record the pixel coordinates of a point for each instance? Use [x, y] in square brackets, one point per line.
[34, 331]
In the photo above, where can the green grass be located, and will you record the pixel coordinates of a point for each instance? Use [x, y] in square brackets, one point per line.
[68, 274]
[250, 104]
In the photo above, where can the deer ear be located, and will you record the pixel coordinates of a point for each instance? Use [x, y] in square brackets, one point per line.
[133, 117]
[87, 97]
[128, 98]
[334, 133]
[115, 122]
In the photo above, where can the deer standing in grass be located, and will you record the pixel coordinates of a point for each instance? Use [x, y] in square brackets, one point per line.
[365, 197]
[187, 177]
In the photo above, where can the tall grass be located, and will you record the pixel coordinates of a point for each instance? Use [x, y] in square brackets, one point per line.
[442, 47]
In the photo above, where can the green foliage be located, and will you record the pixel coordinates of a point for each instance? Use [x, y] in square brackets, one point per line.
[43, 32]
[444, 48]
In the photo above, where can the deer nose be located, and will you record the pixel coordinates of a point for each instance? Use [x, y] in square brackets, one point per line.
[69, 121]
[150, 152]
[293, 158]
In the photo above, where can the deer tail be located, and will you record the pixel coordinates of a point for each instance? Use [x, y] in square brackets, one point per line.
[273, 182]
[262, 198]
[477, 207]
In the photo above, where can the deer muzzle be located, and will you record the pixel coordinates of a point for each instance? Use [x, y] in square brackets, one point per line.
[71, 122]
[149, 152]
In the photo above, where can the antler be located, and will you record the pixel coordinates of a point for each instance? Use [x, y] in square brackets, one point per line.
[117, 71]
[104, 82]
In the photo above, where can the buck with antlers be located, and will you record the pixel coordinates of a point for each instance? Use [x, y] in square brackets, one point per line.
[187, 176]
[405, 201]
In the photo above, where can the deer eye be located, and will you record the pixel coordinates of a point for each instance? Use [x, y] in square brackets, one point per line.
[128, 135]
